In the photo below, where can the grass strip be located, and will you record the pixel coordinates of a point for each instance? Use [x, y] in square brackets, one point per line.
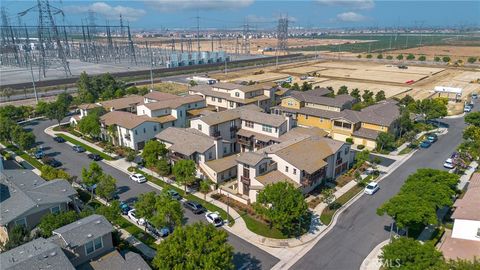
[261, 228]
[88, 148]
[327, 213]
[209, 206]
[33, 161]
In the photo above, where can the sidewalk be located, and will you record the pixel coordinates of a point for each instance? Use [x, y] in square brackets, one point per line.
[372, 262]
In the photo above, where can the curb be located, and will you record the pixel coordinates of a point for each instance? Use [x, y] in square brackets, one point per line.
[372, 257]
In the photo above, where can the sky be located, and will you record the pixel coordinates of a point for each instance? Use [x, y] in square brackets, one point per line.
[232, 14]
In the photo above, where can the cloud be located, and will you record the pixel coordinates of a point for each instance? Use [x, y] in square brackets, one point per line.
[111, 12]
[351, 17]
[172, 5]
[355, 4]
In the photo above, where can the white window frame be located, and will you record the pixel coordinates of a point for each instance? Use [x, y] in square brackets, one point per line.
[24, 219]
[59, 209]
[267, 128]
[93, 245]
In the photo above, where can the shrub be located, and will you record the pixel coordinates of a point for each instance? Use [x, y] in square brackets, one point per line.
[369, 56]
[334, 206]
[361, 146]
[349, 140]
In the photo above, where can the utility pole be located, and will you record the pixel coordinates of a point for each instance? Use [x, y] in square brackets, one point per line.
[198, 32]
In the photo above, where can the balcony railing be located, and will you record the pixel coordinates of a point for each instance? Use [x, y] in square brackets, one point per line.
[233, 128]
[244, 141]
[245, 180]
[176, 156]
[216, 134]
[338, 162]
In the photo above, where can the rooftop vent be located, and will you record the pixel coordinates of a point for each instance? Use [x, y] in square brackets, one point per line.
[89, 235]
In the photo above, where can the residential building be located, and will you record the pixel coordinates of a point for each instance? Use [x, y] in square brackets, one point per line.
[243, 129]
[225, 95]
[463, 242]
[130, 130]
[26, 198]
[125, 104]
[37, 254]
[85, 239]
[334, 115]
[117, 261]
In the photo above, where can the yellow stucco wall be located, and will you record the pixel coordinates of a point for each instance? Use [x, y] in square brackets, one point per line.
[314, 121]
[294, 104]
[375, 127]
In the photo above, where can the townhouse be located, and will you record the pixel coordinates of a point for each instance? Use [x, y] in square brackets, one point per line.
[225, 95]
[463, 241]
[334, 115]
[83, 244]
[26, 198]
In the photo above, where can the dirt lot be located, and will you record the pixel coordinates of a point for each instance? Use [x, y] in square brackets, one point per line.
[390, 90]
[256, 45]
[171, 88]
[455, 52]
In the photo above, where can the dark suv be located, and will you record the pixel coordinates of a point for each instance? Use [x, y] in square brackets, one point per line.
[195, 207]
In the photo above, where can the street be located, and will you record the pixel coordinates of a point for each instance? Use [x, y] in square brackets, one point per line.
[246, 255]
[359, 229]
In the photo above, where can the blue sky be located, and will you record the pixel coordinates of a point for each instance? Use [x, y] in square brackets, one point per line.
[231, 14]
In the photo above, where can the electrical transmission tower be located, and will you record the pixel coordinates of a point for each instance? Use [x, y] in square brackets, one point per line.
[48, 36]
[282, 34]
[245, 48]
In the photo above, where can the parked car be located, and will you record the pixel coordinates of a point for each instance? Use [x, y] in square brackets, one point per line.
[95, 157]
[425, 144]
[174, 195]
[371, 188]
[432, 137]
[162, 232]
[78, 149]
[39, 154]
[138, 177]
[474, 95]
[195, 207]
[59, 139]
[124, 208]
[214, 218]
[467, 108]
[131, 215]
[51, 162]
[449, 163]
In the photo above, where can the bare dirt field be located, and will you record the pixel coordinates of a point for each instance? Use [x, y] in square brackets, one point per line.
[171, 88]
[455, 52]
[390, 90]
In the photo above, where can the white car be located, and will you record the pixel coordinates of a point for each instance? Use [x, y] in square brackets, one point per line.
[449, 163]
[139, 178]
[371, 188]
[133, 216]
[214, 218]
[467, 108]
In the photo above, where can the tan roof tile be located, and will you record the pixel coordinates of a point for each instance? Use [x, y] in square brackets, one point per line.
[186, 141]
[159, 96]
[275, 176]
[173, 103]
[126, 119]
[121, 103]
[468, 207]
[222, 164]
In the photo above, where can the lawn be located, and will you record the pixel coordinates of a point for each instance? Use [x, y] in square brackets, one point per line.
[88, 148]
[192, 197]
[405, 150]
[33, 161]
[327, 214]
[261, 228]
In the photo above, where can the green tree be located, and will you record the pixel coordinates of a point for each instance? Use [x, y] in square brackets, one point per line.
[430, 108]
[193, 83]
[436, 59]
[146, 205]
[385, 141]
[368, 97]
[463, 264]
[84, 86]
[50, 173]
[168, 212]
[379, 96]
[25, 140]
[184, 172]
[369, 56]
[446, 59]
[110, 212]
[17, 236]
[163, 167]
[473, 118]
[284, 206]
[404, 122]
[472, 133]
[359, 56]
[306, 86]
[361, 157]
[152, 151]
[406, 100]
[90, 125]
[422, 58]
[355, 93]
[389, 57]
[205, 188]
[407, 253]
[196, 246]
[471, 60]
[343, 90]
[380, 56]
[92, 175]
[295, 86]
[106, 187]
[400, 57]
[52, 222]
[410, 56]
[328, 195]
[6, 127]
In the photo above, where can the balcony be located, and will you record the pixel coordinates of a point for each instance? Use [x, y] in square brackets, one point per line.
[245, 180]
[176, 156]
[127, 137]
[216, 134]
[244, 141]
[233, 128]
[338, 162]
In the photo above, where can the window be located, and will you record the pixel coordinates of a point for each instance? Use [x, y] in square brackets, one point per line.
[232, 123]
[267, 128]
[55, 210]
[214, 99]
[347, 125]
[347, 150]
[337, 123]
[321, 120]
[339, 155]
[93, 245]
[173, 123]
[478, 232]
[294, 171]
[136, 132]
[195, 105]
[232, 104]
[210, 155]
[249, 124]
[21, 222]
[286, 168]
[224, 149]
[290, 103]
[189, 106]
[181, 113]
[144, 130]
[155, 128]
[220, 100]
[199, 127]
[237, 94]
[306, 116]
[161, 126]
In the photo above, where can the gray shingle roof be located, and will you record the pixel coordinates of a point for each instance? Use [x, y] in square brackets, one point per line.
[84, 230]
[35, 255]
[22, 190]
[383, 113]
[314, 96]
[251, 113]
[115, 261]
[186, 140]
[366, 133]
[250, 158]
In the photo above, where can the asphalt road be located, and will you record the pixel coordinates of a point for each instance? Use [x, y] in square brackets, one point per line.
[247, 256]
[359, 229]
